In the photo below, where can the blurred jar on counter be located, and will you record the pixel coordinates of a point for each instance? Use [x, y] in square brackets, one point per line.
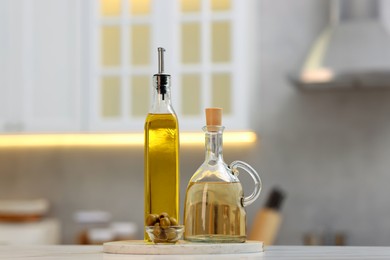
[124, 230]
[88, 220]
[98, 236]
[96, 228]
[325, 239]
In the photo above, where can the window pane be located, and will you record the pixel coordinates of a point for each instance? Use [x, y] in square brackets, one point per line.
[110, 97]
[140, 86]
[110, 45]
[220, 41]
[190, 33]
[221, 92]
[110, 7]
[140, 49]
[190, 5]
[220, 5]
[139, 7]
[191, 94]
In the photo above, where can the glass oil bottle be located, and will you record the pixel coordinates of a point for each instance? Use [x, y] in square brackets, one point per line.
[214, 205]
[161, 156]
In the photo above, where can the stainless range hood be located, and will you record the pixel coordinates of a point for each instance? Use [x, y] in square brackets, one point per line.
[353, 51]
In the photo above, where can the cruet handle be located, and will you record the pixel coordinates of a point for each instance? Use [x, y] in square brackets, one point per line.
[255, 176]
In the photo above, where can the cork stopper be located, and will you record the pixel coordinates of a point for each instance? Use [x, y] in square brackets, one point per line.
[214, 116]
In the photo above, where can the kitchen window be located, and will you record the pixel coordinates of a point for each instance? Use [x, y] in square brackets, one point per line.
[206, 56]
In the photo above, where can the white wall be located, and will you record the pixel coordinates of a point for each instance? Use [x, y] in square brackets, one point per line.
[329, 150]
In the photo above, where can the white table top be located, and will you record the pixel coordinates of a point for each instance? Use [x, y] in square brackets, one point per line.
[271, 252]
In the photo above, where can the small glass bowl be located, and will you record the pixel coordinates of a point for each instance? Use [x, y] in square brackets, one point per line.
[169, 235]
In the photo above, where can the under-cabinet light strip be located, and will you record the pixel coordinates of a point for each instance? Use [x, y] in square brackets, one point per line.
[117, 139]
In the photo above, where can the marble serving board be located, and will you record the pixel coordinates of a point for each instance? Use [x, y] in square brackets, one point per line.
[140, 247]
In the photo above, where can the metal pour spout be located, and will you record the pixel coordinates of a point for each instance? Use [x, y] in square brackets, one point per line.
[160, 60]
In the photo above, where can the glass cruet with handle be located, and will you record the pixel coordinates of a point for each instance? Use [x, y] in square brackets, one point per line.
[214, 208]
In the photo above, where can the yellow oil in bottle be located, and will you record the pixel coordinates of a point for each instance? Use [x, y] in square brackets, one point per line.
[161, 165]
[214, 213]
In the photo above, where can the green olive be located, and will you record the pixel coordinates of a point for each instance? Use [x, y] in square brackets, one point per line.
[162, 235]
[171, 233]
[164, 222]
[151, 219]
[173, 221]
[164, 215]
[157, 230]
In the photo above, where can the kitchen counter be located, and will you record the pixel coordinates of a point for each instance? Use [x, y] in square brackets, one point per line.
[271, 252]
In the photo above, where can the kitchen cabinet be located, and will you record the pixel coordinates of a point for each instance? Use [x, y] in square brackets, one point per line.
[71, 66]
[40, 60]
[206, 56]
[11, 65]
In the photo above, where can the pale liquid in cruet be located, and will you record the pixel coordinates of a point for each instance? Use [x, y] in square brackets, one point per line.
[213, 212]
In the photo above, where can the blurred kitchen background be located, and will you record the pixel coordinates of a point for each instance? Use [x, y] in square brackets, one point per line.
[310, 85]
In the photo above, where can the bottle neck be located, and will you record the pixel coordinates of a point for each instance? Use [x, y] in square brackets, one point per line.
[161, 100]
[214, 143]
